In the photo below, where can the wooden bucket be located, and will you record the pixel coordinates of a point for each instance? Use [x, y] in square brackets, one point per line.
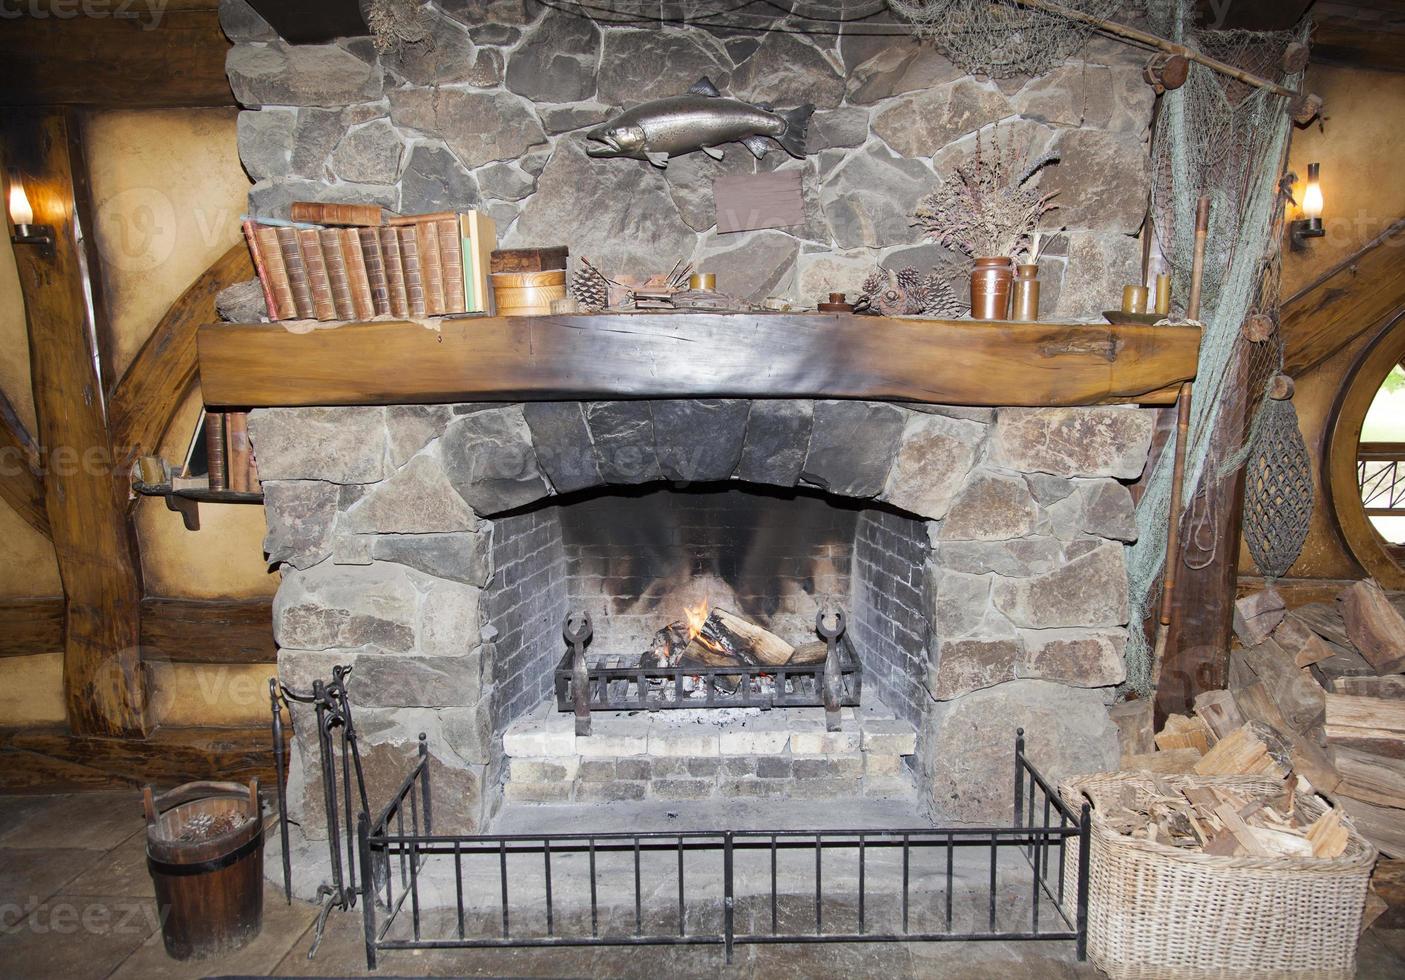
[204, 849]
[528, 293]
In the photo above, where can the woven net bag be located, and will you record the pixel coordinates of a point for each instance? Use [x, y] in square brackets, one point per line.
[1162, 913]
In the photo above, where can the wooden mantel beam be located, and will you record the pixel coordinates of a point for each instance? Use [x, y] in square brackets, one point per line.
[693, 355]
[104, 688]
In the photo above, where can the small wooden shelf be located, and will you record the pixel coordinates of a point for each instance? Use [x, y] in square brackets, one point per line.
[694, 355]
[187, 500]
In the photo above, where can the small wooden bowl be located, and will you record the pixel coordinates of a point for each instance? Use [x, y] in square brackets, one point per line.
[1146, 319]
[528, 293]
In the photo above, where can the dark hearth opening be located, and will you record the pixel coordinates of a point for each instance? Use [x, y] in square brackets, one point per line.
[635, 558]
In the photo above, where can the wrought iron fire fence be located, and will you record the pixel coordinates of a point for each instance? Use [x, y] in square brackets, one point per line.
[724, 888]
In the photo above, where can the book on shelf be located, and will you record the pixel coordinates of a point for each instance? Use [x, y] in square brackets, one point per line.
[291, 249]
[431, 267]
[357, 280]
[318, 213]
[336, 274]
[261, 266]
[480, 236]
[215, 458]
[394, 271]
[237, 452]
[322, 306]
[451, 262]
[410, 264]
[375, 270]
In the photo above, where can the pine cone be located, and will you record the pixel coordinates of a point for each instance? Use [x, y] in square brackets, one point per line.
[590, 289]
[910, 280]
[941, 301]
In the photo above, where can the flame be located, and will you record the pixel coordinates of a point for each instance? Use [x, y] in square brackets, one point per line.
[694, 617]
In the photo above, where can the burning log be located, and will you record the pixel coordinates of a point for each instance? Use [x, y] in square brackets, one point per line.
[742, 641]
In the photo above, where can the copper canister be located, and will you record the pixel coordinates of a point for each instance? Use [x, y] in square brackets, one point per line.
[991, 282]
[1026, 295]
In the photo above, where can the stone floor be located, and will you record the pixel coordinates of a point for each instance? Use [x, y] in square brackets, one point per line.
[76, 902]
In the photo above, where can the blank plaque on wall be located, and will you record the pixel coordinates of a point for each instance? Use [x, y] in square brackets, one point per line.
[752, 201]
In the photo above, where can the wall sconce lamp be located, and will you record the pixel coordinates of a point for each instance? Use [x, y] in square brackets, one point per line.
[1310, 224]
[22, 216]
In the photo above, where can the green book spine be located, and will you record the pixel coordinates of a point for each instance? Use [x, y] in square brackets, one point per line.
[470, 298]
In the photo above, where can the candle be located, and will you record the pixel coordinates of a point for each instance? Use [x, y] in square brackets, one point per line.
[1134, 299]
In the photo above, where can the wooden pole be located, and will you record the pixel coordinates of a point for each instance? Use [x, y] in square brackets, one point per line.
[104, 688]
[1106, 26]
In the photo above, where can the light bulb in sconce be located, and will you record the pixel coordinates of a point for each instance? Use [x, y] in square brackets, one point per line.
[22, 216]
[1310, 224]
[20, 211]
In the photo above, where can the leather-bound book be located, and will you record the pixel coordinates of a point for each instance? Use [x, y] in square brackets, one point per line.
[336, 274]
[336, 214]
[214, 451]
[356, 277]
[312, 259]
[297, 273]
[375, 269]
[236, 436]
[451, 263]
[410, 264]
[431, 273]
[394, 272]
[277, 272]
[270, 301]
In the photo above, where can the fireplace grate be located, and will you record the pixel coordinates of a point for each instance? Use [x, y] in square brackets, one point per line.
[923, 905]
[584, 684]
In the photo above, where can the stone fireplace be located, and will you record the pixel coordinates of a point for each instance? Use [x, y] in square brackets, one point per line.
[978, 554]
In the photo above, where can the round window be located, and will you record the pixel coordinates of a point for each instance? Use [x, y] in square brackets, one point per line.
[1366, 457]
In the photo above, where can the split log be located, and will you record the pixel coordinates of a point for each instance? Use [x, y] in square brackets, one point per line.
[731, 635]
[1172, 761]
[1218, 710]
[1325, 620]
[1373, 778]
[1349, 716]
[1299, 698]
[1134, 721]
[1182, 732]
[1256, 616]
[813, 652]
[1240, 753]
[1371, 687]
[1376, 629]
[1381, 825]
[1302, 644]
[1327, 835]
[1388, 881]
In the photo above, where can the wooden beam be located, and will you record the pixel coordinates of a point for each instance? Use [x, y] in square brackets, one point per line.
[208, 631]
[49, 760]
[698, 355]
[20, 484]
[1350, 299]
[162, 56]
[85, 494]
[143, 404]
[31, 626]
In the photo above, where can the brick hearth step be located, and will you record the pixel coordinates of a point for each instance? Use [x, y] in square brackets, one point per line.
[708, 754]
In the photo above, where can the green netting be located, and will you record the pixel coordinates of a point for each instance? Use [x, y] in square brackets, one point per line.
[1223, 138]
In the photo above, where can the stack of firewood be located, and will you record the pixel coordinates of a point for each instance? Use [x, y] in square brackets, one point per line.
[1316, 692]
[1220, 821]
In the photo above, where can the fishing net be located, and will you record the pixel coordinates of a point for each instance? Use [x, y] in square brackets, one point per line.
[1001, 38]
[1227, 139]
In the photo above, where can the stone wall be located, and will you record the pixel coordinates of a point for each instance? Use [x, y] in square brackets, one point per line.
[379, 519]
[491, 114]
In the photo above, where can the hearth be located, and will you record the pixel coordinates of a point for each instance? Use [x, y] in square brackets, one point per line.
[438, 550]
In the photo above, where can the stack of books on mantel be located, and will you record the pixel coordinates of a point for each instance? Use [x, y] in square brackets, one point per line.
[351, 262]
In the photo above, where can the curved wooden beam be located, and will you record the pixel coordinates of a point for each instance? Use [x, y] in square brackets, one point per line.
[1347, 301]
[21, 485]
[144, 402]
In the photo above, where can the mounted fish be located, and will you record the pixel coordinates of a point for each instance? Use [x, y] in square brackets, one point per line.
[701, 120]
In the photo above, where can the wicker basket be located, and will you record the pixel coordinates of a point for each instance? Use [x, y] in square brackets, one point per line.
[1156, 911]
